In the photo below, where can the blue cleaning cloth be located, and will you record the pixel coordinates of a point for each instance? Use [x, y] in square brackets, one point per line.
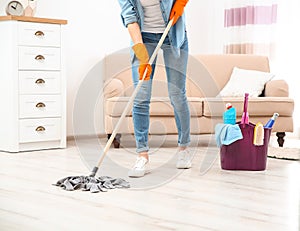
[227, 134]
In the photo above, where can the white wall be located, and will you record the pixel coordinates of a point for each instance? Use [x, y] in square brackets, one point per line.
[94, 29]
[286, 65]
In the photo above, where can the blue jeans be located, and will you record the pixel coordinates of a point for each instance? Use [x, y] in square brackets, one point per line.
[175, 65]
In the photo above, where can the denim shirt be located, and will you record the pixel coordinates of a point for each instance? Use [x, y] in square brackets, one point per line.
[132, 11]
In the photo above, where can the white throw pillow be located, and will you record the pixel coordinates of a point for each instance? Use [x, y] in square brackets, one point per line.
[245, 81]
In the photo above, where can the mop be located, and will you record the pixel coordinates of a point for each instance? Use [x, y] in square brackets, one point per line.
[102, 184]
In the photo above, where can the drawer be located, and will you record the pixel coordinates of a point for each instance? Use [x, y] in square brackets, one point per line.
[38, 34]
[36, 130]
[39, 82]
[39, 58]
[34, 106]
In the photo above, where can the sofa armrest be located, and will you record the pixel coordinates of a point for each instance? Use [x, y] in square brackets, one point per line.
[113, 88]
[277, 88]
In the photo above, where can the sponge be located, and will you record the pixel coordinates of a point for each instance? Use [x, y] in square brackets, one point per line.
[258, 136]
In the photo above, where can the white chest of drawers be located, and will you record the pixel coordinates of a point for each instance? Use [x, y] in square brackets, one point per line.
[32, 84]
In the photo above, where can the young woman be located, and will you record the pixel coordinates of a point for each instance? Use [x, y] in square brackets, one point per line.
[146, 21]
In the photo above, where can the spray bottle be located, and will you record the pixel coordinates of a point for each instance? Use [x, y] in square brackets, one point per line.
[229, 116]
[270, 123]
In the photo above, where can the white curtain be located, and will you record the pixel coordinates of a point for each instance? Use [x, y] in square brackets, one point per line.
[250, 27]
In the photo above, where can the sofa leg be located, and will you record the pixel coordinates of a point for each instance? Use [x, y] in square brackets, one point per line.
[116, 141]
[280, 136]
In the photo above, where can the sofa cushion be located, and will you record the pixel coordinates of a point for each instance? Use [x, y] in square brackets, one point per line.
[277, 88]
[112, 88]
[159, 106]
[257, 106]
[250, 81]
[220, 66]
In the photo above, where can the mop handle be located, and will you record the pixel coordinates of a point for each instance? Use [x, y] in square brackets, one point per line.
[128, 106]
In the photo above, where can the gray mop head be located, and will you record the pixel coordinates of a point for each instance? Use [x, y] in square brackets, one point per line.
[92, 184]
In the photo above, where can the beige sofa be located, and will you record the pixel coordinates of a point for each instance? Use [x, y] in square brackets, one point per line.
[206, 76]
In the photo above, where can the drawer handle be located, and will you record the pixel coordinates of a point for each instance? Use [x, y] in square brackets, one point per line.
[39, 33]
[40, 105]
[40, 129]
[39, 58]
[40, 81]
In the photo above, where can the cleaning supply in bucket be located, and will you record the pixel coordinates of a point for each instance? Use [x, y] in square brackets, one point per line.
[229, 116]
[258, 135]
[226, 134]
[270, 123]
[245, 116]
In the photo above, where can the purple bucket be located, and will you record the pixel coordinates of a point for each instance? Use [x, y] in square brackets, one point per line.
[243, 154]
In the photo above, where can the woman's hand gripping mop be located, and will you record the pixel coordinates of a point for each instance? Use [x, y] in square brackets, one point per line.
[96, 184]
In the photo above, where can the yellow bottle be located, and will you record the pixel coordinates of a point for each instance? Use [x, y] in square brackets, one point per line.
[258, 136]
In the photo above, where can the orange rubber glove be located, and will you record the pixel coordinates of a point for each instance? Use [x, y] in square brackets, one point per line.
[141, 53]
[177, 10]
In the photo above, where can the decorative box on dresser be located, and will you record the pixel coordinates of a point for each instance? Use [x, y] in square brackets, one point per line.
[32, 84]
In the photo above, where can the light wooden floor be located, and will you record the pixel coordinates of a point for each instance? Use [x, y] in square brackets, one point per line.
[200, 198]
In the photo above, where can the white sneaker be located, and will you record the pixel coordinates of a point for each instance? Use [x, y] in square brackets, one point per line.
[140, 167]
[184, 160]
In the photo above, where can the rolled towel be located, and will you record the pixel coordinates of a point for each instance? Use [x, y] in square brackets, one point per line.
[226, 134]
